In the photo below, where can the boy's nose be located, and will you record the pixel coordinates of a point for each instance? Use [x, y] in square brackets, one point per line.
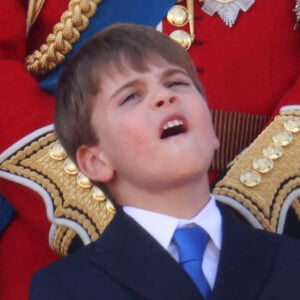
[163, 102]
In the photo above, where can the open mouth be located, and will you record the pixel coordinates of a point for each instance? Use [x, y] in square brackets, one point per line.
[172, 128]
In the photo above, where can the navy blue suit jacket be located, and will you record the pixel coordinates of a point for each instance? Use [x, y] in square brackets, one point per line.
[127, 263]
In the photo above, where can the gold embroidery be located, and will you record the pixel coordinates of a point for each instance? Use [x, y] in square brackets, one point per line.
[264, 201]
[85, 206]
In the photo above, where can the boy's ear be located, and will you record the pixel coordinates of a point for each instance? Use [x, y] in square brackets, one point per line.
[94, 163]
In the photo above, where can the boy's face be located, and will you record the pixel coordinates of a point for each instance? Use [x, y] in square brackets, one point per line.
[154, 127]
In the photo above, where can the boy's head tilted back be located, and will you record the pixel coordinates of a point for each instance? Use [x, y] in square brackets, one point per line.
[131, 113]
[118, 46]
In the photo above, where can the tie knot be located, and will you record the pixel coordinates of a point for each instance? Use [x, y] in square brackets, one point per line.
[191, 243]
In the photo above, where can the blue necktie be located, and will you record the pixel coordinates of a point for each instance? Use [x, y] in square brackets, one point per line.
[191, 243]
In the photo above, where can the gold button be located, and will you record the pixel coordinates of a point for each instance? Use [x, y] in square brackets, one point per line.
[110, 207]
[273, 151]
[182, 37]
[83, 181]
[283, 138]
[57, 152]
[178, 15]
[97, 194]
[263, 164]
[250, 178]
[70, 167]
[292, 124]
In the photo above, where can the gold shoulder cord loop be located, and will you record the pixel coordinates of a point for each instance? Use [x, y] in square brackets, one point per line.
[34, 9]
[73, 21]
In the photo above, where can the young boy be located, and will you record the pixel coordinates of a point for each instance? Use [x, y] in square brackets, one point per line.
[132, 114]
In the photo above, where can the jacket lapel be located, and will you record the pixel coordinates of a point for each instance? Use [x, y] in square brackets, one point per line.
[245, 260]
[133, 258]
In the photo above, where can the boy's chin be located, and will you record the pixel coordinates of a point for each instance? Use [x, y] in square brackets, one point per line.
[190, 169]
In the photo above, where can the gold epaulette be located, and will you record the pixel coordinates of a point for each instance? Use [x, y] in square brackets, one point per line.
[58, 43]
[264, 181]
[74, 206]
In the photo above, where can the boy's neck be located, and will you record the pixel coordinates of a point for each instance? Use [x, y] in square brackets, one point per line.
[183, 201]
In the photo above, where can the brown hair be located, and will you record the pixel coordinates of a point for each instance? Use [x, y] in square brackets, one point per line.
[117, 46]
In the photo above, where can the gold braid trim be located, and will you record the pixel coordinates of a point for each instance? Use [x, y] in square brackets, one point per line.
[73, 21]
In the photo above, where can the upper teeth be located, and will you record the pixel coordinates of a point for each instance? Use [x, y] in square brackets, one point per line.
[172, 123]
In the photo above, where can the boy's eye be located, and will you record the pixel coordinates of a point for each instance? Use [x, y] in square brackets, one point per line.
[130, 97]
[177, 83]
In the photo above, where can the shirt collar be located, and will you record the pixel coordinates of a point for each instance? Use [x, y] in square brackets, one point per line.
[209, 218]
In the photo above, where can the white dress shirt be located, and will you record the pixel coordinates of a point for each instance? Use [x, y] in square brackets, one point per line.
[162, 228]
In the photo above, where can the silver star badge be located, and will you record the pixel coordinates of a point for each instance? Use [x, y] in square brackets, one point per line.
[228, 10]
